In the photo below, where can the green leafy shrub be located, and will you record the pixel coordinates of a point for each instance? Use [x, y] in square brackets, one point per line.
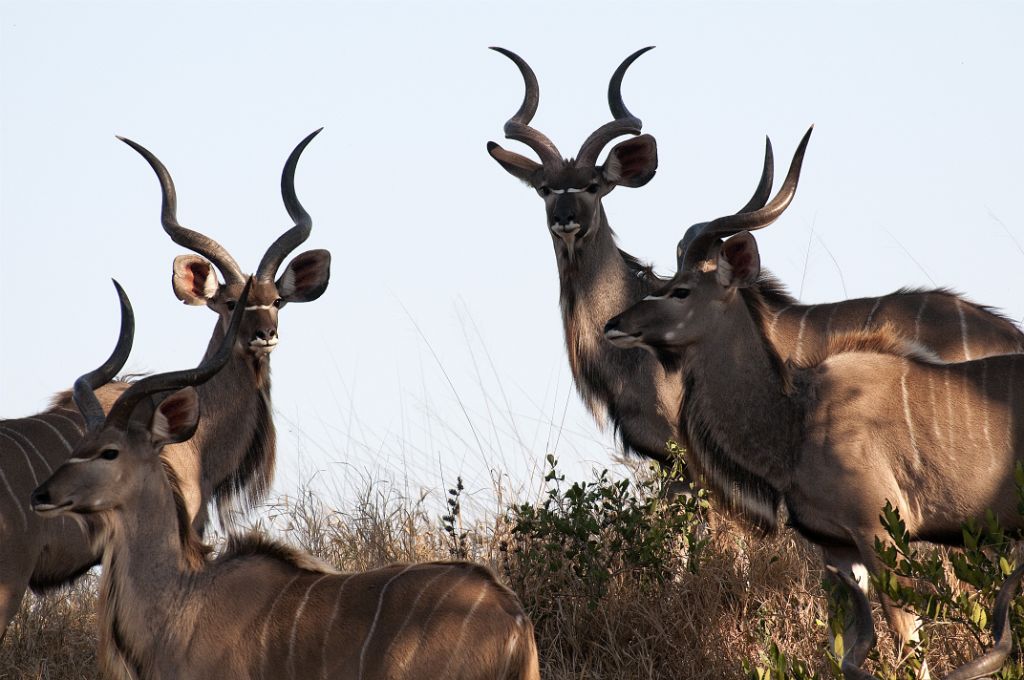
[584, 536]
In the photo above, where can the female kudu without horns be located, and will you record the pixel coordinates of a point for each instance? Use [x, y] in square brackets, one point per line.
[237, 424]
[598, 280]
[260, 609]
[835, 435]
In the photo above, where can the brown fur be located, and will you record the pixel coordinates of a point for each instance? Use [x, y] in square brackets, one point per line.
[884, 339]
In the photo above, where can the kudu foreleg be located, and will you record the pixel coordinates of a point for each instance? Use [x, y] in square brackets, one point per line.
[861, 563]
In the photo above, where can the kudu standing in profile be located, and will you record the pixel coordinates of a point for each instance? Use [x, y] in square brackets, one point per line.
[868, 418]
[237, 424]
[983, 666]
[598, 280]
[261, 609]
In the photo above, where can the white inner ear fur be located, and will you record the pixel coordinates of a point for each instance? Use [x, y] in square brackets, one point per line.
[612, 169]
[160, 428]
[210, 285]
[184, 407]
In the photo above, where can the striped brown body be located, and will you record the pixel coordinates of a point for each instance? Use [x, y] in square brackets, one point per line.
[262, 609]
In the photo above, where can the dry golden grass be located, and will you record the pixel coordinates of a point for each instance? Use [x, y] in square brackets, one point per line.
[748, 592]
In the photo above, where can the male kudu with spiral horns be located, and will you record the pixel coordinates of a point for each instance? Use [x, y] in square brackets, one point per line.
[598, 280]
[45, 553]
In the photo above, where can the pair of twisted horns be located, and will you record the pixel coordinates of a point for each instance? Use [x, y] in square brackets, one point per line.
[984, 666]
[84, 389]
[756, 214]
[518, 126]
[213, 251]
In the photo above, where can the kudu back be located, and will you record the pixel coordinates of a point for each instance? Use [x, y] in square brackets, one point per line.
[260, 609]
[43, 554]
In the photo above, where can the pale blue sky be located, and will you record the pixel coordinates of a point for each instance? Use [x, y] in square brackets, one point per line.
[917, 149]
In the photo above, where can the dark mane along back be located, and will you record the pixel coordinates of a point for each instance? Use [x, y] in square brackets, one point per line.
[254, 544]
[1007, 325]
[773, 292]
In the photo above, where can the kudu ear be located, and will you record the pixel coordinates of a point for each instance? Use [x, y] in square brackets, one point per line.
[306, 276]
[176, 417]
[194, 280]
[633, 162]
[739, 263]
[518, 166]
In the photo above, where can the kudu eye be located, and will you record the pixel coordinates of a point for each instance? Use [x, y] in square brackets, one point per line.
[680, 293]
[592, 188]
[231, 305]
[278, 302]
[109, 454]
[544, 191]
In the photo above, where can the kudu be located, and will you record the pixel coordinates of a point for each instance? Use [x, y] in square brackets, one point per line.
[982, 667]
[831, 436]
[260, 609]
[598, 280]
[238, 423]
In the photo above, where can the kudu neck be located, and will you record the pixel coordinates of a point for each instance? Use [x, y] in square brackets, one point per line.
[740, 392]
[228, 401]
[598, 278]
[144, 567]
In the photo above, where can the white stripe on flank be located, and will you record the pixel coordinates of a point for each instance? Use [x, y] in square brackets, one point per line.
[31, 445]
[510, 650]
[1010, 411]
[984, 405]
[67, 444]
[871, 314]
[408, 616]
[330, 624]
[950, 412]
[17, 503]
[28, 462]
[270, 617]
[935, 408]
[775, 320]
[906, 413]
[917, 319]
[376, 616]
[828, 323]
[963, 329]
[74, 425]
[800, 334]
[462, 630]
[295, 624]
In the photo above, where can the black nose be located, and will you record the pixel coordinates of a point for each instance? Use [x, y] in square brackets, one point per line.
[266, 333]
[565, 210]
[41, 496]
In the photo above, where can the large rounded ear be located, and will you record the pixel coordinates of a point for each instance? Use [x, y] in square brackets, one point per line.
[518, 166]
[306, 276]
[739, 263]
[194, 280]
[176, 417]
[633, 162]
